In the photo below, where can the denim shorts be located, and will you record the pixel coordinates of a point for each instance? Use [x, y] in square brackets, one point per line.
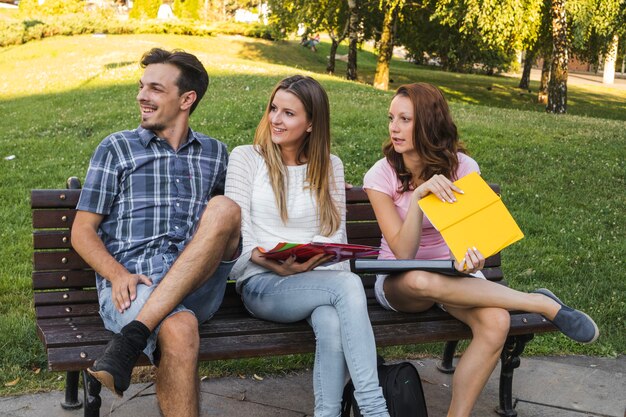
[202, 303]
[379, 290]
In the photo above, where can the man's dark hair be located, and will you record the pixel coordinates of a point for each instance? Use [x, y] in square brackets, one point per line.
[193, 75]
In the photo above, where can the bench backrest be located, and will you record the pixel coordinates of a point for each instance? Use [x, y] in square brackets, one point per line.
[64, 284]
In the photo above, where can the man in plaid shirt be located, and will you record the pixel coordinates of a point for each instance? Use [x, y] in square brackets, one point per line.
[162, 239]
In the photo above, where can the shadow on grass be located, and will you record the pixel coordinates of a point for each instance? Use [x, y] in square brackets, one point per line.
[114, 65]
[288, 53]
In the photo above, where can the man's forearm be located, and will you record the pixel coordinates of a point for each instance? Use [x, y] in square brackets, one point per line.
[90, 247]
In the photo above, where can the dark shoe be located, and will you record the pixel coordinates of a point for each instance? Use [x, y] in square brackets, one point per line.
[572, 323]
[114, 367]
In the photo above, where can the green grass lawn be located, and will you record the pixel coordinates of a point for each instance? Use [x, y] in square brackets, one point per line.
[563, 177]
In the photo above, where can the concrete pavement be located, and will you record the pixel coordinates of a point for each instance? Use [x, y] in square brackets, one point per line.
[571, 386]
[587, 79]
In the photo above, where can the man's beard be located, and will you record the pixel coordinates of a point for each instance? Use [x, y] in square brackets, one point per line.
[155, 127]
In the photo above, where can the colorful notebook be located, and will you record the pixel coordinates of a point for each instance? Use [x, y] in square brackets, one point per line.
[478, 218]
[305, 251]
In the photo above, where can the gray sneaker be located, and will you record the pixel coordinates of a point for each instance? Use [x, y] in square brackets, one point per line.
[572, 323]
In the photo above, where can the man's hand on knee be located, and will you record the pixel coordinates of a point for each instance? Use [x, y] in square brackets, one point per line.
[124, 289]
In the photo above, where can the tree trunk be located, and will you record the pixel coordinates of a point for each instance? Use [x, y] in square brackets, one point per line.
[524, 83]
[608, 76]
[354, 38]
[542, 96]
[332, 57]
[385, 51]
[557, 88]
[330, 67]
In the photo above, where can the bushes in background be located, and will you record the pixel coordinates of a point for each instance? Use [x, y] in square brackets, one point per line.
[16, 32]
[51, 7]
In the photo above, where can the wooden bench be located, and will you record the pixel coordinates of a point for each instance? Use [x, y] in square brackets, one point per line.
[72, 332]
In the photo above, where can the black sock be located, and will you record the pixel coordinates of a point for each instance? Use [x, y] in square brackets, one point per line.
[137, 333]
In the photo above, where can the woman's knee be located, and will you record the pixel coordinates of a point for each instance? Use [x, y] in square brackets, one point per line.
[350, 285]
[327, 327]
[420, 283]
[179, 337]
[492, 325]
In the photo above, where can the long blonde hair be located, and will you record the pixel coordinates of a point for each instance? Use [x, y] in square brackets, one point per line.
[314, 150]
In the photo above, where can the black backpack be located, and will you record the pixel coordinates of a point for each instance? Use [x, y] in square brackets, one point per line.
[402, 389]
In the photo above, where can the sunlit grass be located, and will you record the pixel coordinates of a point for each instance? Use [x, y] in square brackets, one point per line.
[562, 176]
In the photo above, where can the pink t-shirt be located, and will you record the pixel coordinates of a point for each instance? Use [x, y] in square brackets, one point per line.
[382, 177]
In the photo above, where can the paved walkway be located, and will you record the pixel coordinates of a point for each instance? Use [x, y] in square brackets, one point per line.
[581, 78]
[572, 386]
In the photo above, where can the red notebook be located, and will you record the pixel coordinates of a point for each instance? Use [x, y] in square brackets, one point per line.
[305, 251]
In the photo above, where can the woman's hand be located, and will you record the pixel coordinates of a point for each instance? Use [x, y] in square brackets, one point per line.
[439, 185]
[473, 262]
[289, 266]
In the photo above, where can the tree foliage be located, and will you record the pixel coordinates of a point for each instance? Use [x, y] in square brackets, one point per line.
[187, 9]
[501, 24]
[488, 32]
[51, 7]
[594, 23]
[431, 32]
[145, 9]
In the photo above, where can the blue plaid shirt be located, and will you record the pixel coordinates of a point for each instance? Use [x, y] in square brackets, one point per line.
[150, 195]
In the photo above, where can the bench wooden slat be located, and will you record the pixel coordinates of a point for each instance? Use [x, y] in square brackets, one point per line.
[68, 310]
[493, 274]
[53, 219]
[360, 212]
[65, 297]
[52, 239]
[362, 230]
[58, 260]
[63, 332]
[356, 195]
[63, 279]
[372, 241]
[78, 358]
[54, 198]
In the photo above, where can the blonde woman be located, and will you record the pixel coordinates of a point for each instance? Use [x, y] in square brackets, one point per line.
[290, 188]
[422, 156]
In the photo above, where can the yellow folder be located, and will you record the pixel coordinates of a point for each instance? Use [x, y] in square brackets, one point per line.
[478, 218]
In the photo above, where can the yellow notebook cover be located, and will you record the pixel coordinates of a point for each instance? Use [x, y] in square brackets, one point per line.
[478, 218]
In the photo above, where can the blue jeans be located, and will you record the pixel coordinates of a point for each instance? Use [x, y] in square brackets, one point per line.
[334, 304]
[203, 302]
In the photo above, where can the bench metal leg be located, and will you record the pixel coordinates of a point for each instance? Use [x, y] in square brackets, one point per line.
[513, 348]
[91, 390]
[446, 366]
[71, 401]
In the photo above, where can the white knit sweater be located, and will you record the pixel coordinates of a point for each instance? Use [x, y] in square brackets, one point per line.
[248, 184]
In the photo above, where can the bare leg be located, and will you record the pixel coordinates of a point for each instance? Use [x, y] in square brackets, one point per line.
[215, 239]
[409, 291]
[490, 327]
[177, 384]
